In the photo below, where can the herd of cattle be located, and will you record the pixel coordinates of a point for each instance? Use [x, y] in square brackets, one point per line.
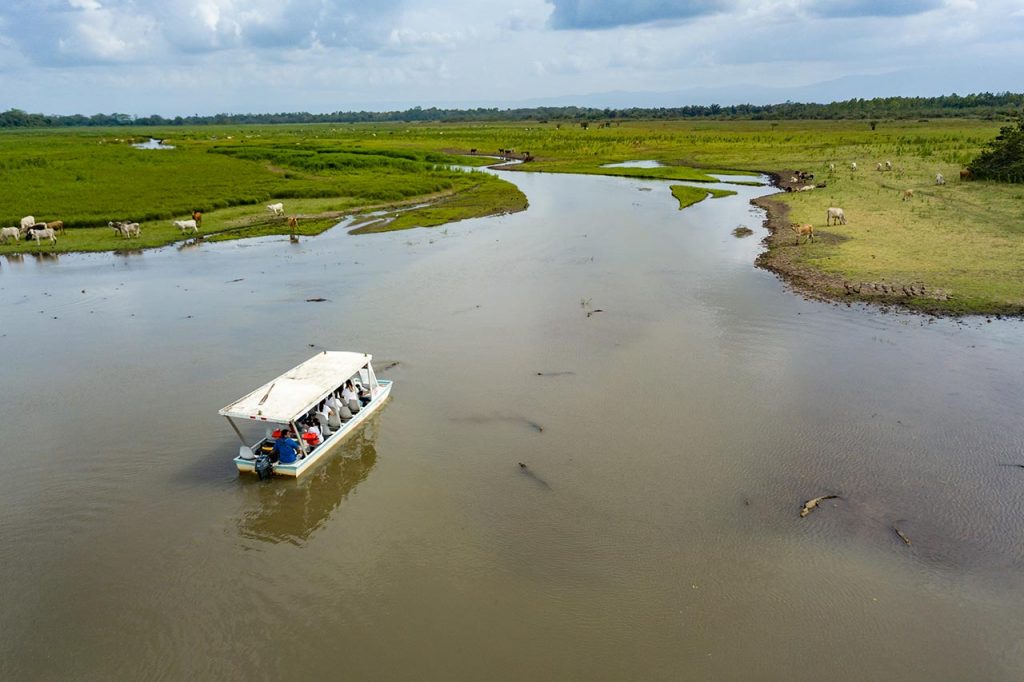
[126, 229]
[835, 215]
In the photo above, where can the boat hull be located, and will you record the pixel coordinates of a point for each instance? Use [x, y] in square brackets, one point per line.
[301, 466]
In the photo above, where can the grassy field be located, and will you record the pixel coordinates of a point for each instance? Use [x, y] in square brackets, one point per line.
[962, 242]
[87, 178]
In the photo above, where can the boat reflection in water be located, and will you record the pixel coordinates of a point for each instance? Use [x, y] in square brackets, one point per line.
[287, 511]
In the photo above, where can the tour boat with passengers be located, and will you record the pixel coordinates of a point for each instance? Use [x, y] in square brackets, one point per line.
[294, 398]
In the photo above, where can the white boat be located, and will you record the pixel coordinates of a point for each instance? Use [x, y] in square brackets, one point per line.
[288, 398]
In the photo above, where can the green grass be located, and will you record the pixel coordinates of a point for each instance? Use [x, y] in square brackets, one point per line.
[964, 238]
[688, 196]
[87, 178]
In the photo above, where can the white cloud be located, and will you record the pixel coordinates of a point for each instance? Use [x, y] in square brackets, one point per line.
[146, 56]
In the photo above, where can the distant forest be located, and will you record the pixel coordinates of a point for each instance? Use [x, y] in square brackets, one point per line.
[981, 105]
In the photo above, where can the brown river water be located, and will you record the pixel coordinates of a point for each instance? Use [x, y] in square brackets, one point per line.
[670, 441]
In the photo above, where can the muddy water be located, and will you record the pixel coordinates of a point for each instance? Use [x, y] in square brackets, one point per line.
[669, 441]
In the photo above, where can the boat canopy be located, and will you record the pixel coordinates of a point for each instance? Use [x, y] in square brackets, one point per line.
[299, 389]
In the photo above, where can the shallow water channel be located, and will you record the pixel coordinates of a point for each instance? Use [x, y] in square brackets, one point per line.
[670, 441]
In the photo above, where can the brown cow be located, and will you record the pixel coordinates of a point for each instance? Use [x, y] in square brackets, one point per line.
[966, 174]
[908, 194]
[293, 221]
[198, 217]
[801, 230]
[56, 225]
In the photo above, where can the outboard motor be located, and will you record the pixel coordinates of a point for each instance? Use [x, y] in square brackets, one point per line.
[263, 467]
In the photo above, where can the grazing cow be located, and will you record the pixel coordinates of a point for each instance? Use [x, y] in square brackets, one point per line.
[831, 168]
[853, 166]
[966, 174]
[115, 225]
[939, 180]
[801, 230]
[27, 222]
[186, 225]
[44, 233]
[198, 217]
[888, 165]
[293, 221]
[276, 209]
[9, 233]
[56, 225]
[878, 166]
[834, 216]
[130, 230]
[908, 194]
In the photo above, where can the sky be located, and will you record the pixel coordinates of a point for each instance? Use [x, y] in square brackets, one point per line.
[182, 57]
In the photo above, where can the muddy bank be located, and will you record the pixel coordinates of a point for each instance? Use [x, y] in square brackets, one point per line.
[782, 258]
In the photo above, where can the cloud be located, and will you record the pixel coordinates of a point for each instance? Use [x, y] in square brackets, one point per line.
[872, 8]
[80, 32]
[604, 14]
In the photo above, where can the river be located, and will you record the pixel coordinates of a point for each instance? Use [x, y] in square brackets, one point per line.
[670, 440]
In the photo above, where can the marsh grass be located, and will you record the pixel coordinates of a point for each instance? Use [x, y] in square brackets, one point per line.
[964, 237]
[688, 196]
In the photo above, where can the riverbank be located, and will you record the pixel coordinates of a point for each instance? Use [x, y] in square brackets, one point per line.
[861, 261]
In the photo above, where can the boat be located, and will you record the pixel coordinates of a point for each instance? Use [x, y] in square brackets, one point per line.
[284, 401]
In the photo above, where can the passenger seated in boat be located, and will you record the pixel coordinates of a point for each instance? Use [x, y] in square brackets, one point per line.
[312, 436]
[323, 418]
[287, 447]
[351, 398]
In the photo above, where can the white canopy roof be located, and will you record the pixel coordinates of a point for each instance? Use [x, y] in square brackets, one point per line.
[293, 393]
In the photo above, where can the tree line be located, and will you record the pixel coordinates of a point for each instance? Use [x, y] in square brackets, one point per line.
[979, 105]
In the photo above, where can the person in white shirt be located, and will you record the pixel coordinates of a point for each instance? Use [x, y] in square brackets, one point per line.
[350, 397]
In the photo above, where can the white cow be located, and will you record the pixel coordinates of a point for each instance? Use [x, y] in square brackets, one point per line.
[276, 209]
[45, 233]
[130, 230]
[878, 166]
[831, 168]
[939, 180]
[186, 225]
[834, 216]
[888, 165]
[853, 166]
[27, 222]
[9, 233]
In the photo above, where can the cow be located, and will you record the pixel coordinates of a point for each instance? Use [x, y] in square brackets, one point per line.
[130, 230]
[878, 166]
[44, 233]
[293, 221]
[806, 188]
[115, 225]
[9, 233]
[888, 165]
[801, 230]
[56, 225]
[834, 216]
[831, 168]
[198, 217]
[966, 174]
[853, 166]
[27, 222]
[908, 194]
[186, 225]
[939, 179]
[276, 209]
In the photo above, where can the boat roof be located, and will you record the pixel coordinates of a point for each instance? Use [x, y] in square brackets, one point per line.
[297, 390]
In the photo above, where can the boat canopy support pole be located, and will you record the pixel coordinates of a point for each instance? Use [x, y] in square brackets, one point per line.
[235, 427]
[298, 437]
